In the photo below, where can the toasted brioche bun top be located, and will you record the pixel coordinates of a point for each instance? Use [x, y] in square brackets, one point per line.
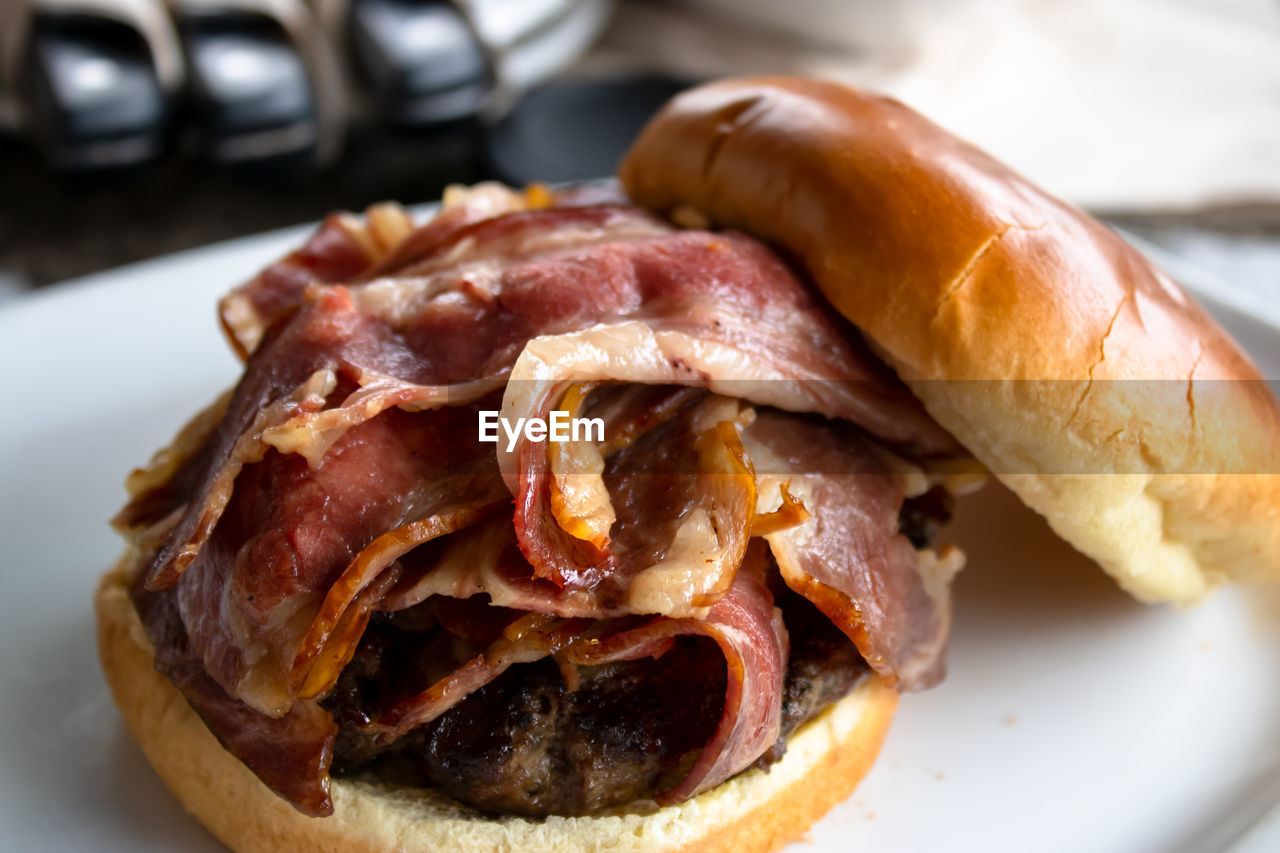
[1047, 345]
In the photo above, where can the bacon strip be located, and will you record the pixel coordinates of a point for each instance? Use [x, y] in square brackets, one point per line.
[293, 550]
[683, 495]
[751, 634]
[529, 639]
[326, 647]
[485, 559]
[284, 391]
[290, 754]
[848, 557]
[333, 253]
[343, 249]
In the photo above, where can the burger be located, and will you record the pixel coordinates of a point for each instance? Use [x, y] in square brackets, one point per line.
[607, 517]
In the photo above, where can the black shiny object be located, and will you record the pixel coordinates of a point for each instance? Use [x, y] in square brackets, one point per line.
[419, 59]
[93, 97]
[251, 96]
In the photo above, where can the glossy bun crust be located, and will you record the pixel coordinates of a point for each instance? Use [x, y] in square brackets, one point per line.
[751, 813]
[1046, 344]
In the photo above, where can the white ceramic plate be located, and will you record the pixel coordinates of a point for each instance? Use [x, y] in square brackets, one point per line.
[1072, 719]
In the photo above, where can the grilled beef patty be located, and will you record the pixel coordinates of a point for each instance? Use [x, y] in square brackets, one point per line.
[526, 744]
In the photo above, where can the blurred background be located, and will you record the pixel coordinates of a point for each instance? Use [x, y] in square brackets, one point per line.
[134, 128]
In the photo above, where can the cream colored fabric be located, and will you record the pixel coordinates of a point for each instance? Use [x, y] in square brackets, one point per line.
[1140, 104]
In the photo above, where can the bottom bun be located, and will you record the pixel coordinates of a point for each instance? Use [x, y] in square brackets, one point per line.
[754, 811]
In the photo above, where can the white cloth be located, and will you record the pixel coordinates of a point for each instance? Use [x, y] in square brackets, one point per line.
[1112, 104]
